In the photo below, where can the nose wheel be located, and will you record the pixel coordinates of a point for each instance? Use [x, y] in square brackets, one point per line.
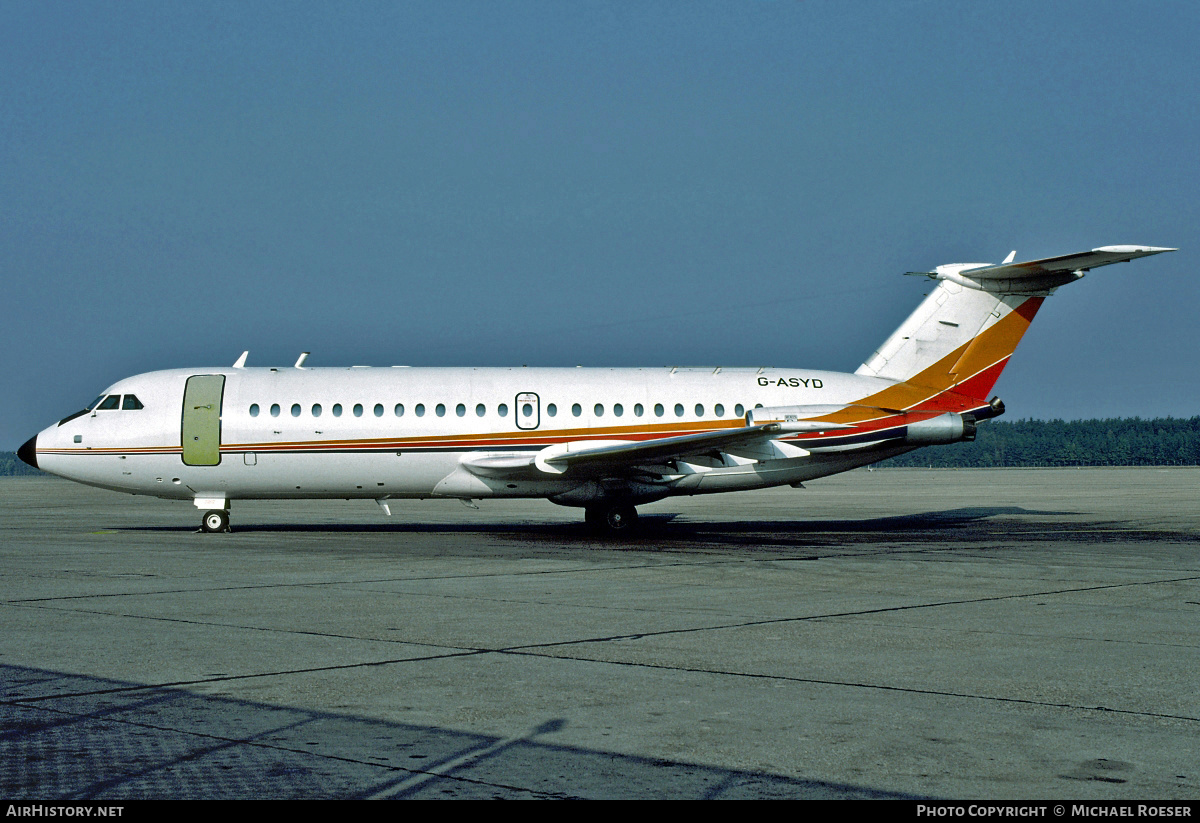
[216, 520]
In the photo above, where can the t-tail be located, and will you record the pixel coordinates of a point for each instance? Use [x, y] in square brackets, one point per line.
[949, 353]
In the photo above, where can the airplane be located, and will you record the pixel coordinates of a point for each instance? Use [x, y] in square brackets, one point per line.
[602, 439]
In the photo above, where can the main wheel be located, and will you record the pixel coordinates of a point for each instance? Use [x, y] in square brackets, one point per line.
[216, 520]
[620, 519]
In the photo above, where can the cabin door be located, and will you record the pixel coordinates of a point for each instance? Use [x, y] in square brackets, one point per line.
[529, 411]
[202, 419]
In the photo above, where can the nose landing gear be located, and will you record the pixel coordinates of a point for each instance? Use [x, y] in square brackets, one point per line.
[216, 520]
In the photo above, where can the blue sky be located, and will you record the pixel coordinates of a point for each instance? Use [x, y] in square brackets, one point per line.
[596, 183]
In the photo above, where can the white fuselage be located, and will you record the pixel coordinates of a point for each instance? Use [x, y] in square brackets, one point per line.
[404, 432]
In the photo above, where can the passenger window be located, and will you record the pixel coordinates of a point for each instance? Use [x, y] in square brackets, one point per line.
[599, 410]
[719, 410]
[295, 410]
[337, 409]
[637, 410]
[420, 410]
[441, 410]
[739, 410]
[679, 410]
[527, 410]
[502, 410]
[131, 403]
[480, 410]
[274, 409]
[113, 401]
[576, 410]
[358, 409]
[552, 410]
[658, 410]
[699, 410]
[460, 410]
[254, 410]
[399, 409]
[316, 410]
[618, 409]
[378, 410]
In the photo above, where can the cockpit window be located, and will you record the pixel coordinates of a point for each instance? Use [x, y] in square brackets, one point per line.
[71, 417]
[90, 407]
[113, 401]
[131, 402]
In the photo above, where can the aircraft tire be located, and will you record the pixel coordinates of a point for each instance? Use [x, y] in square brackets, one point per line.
[620, 519]
[215, 521]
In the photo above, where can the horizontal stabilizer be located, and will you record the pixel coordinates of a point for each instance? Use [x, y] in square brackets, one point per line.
[1081, 261]
[1036, 276]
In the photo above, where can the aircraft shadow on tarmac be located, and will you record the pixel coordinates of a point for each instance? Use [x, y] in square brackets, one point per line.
[76, 737]
[671, 527]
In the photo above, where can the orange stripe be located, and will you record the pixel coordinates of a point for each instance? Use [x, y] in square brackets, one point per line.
[986, 353]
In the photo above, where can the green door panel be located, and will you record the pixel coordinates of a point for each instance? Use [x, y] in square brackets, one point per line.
[202, 419]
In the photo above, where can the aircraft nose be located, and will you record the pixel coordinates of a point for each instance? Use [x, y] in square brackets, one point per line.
[28, 451]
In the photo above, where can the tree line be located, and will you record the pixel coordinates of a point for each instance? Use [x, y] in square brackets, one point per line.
[1162, 441]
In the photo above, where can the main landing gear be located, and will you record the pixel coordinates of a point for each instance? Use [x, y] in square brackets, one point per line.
[216, 520]
[614, 518]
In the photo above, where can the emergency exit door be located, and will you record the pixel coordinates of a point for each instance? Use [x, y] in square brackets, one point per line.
[201, 432]
[529, 410]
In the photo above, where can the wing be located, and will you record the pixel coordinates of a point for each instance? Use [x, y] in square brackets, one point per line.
[616, 456]
[591, 458]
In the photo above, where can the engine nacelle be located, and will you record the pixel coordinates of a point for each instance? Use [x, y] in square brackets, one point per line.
[945, 428]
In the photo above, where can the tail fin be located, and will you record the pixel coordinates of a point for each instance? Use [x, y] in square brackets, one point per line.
[951, 350]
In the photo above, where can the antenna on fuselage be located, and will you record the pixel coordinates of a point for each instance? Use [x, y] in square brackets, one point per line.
[300, 360]
[241, 361]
